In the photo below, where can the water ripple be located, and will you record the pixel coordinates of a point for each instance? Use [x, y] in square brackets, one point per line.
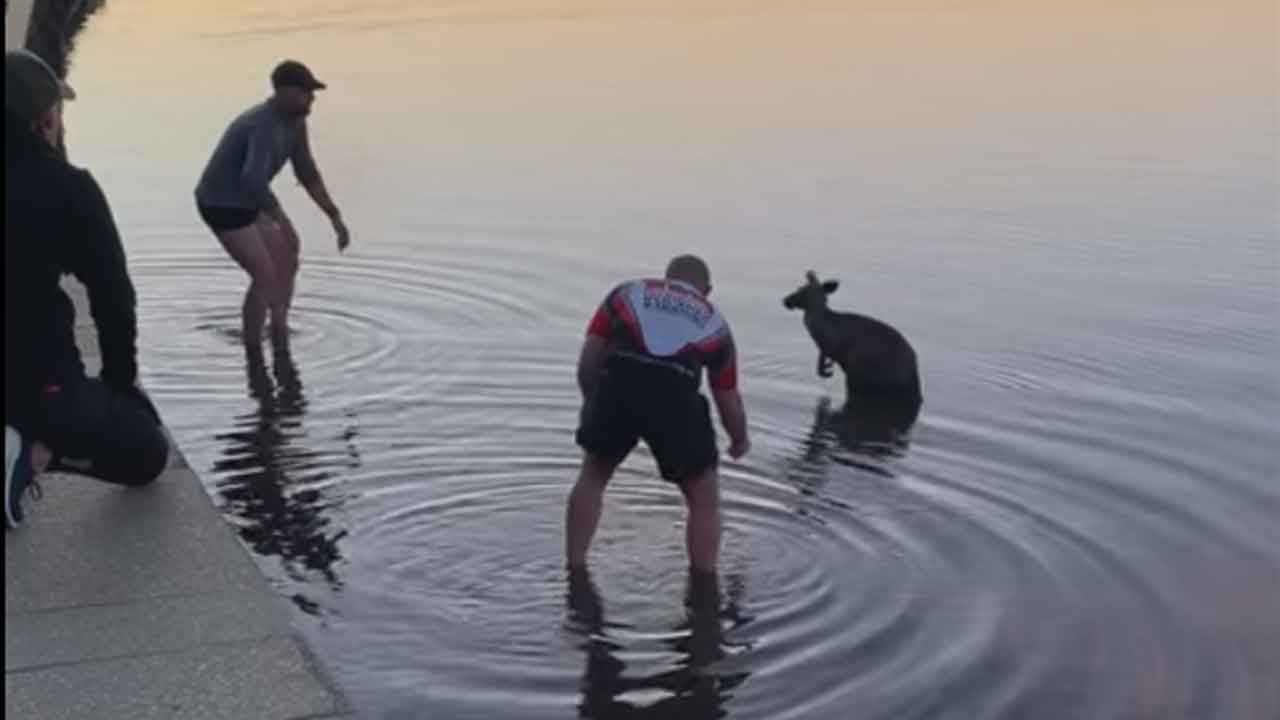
[963, 560]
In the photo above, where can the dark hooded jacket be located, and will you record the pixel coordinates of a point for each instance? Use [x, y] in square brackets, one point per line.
[57, 222]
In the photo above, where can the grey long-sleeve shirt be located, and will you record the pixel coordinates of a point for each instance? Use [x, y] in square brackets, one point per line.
[252, 151]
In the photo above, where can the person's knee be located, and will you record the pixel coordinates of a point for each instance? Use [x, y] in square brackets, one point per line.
[267, 290]
[154, 458]
[701, 488]
[282, 243]
[287, 267]
[264, 283]
[596, 470]
[290, 254]
[148, 458]
[288, 275]
[142, 448]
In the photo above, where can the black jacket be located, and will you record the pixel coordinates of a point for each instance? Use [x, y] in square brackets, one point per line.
[56, 221]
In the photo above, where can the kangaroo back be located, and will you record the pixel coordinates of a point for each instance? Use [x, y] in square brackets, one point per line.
[874, 355]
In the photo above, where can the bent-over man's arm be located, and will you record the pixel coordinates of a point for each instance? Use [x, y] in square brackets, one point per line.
[723, 378]
[591, 364]
[595, 348]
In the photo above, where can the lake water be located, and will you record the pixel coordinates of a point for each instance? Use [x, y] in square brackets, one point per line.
[1069, 208]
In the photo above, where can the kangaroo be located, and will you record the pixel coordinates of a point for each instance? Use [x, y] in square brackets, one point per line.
[876, 359]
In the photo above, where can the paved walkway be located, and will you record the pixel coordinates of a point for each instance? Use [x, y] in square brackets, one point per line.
[140, 603]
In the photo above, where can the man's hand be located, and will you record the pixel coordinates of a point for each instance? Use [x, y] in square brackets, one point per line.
[739, 448]
[344, 235]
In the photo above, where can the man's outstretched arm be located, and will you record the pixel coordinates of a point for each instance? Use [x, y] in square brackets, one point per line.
[595, 348]
[723, 377]
[733, 416]
[308, 173]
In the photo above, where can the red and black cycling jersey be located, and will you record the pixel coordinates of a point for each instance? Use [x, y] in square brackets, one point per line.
[668, 323]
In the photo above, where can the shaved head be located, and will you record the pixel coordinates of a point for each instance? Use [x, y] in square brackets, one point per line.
[690, 269]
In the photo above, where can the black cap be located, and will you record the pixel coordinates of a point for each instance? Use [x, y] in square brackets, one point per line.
[30, 85]
[295, 74]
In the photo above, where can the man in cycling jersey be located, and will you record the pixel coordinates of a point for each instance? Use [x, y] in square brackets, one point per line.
[639, 371]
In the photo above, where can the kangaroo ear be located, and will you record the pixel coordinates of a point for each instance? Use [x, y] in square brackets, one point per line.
[811, 277]
[830, 286]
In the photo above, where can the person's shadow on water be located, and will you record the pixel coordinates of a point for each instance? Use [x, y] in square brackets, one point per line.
[270, 483]
[695, 689]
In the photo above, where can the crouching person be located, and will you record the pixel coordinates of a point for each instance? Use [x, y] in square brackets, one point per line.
[57, 222]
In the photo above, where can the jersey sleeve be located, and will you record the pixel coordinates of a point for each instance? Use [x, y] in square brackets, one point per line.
[722, 362]
[601, 324]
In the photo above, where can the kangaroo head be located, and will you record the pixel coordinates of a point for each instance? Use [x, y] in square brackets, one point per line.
[812, 295]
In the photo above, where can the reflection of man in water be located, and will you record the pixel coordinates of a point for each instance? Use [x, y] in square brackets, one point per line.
[262, 469]
[235, 200]
[695, 690]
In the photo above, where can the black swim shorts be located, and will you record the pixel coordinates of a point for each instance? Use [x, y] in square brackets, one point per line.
[223, 219]
[637, 401]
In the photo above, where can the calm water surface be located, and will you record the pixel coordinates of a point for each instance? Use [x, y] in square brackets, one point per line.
[1069, 208]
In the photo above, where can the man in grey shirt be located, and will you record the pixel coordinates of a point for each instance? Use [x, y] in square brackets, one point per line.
[234, 198]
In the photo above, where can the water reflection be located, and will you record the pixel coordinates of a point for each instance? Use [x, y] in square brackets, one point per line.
[274, 486]
[695, 688]
[863, 433]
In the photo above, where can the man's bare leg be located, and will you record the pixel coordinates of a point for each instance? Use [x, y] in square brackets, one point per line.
[253, 316]
[702, 530]
[583, 513]
[283, 245]
[246, 246]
